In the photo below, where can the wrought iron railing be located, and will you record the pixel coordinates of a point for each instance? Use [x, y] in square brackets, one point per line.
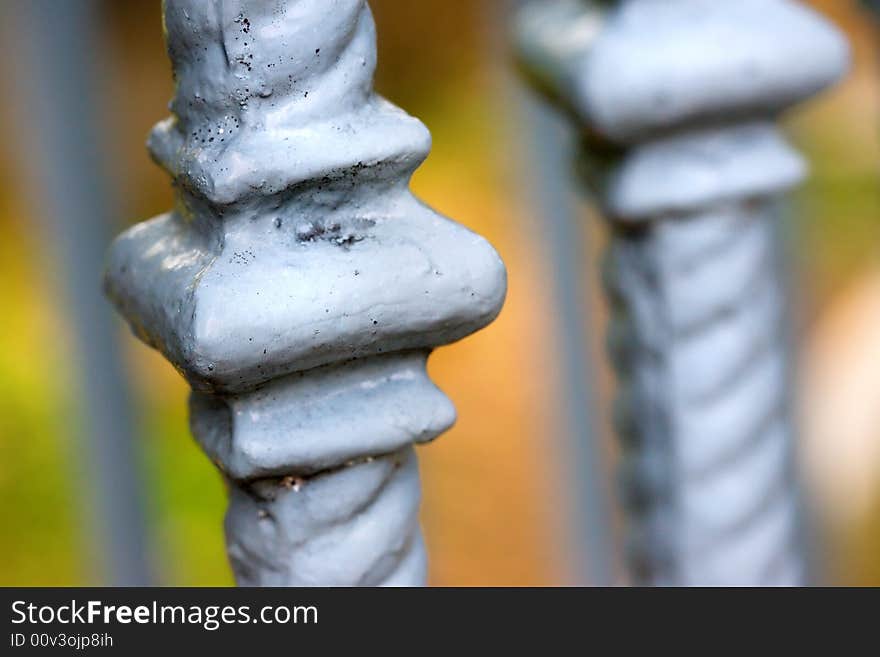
[299, 287]
[678, 101]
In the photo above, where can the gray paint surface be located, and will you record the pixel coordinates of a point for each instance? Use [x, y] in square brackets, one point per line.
[677, 100]
[300, 287]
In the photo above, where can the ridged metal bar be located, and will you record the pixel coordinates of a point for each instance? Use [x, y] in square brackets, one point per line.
[677, 100]
[300, 287]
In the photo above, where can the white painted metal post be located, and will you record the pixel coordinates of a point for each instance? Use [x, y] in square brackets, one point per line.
[678, 101]
[299, 287]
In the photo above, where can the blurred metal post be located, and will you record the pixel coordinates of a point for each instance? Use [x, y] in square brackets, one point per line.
[300, 287]
[567, 246]
[64, 47]
[676, 100]
[547, 178]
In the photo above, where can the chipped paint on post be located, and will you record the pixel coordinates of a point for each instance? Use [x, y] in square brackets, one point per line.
[678, 102]
[299, 287]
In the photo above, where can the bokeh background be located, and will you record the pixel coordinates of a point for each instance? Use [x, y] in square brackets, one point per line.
[500, 491]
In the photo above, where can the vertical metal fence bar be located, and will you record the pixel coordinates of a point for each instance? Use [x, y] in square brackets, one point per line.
[677, 101]
[63, 49]
[587, 548]
[567, 248]
[300, 287]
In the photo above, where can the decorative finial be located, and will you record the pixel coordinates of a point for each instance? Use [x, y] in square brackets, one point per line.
[677, 100]
[299, 286]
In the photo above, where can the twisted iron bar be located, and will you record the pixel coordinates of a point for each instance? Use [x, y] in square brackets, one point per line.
[300, 287]
[677, 100]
